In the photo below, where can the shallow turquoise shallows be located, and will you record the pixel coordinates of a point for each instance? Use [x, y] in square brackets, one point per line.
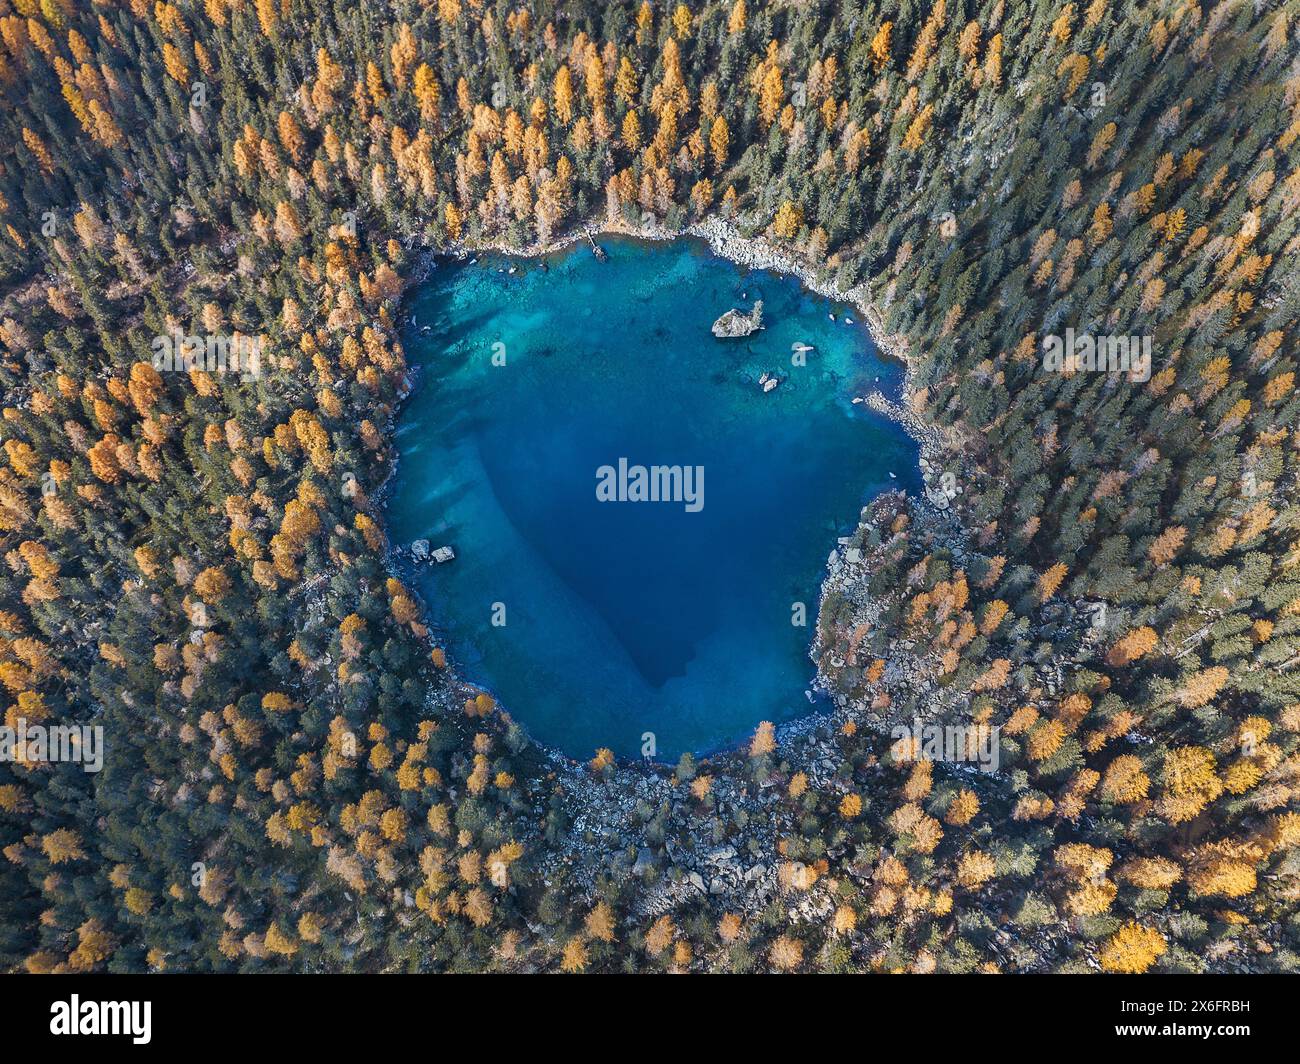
[596, 622]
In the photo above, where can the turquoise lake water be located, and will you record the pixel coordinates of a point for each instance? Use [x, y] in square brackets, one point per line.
[628, 617]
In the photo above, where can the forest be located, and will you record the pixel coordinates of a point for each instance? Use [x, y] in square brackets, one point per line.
[295, 778]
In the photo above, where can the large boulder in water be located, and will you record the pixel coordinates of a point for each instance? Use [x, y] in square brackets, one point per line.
[736, 323]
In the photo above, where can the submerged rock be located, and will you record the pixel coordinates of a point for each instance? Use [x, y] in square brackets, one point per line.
[736, 323]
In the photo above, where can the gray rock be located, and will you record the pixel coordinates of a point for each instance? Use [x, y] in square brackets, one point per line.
[736, 323]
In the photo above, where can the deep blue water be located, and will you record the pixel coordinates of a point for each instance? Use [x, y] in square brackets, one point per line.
[625, 617]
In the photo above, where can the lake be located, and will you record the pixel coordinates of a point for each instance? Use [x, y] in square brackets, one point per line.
[552, 403]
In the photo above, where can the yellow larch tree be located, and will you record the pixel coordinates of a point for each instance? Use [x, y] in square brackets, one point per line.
[682, 21]
[771, 91]
[1050, 581]
[719, 142]
[737, 19]
[1132, 646]
[917, 129]
[562, 95]
[1132, 950]
[786, 953]
[788, 221]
